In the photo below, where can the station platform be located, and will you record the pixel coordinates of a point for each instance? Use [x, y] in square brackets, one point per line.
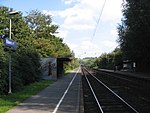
[64, 96]
[133, 74]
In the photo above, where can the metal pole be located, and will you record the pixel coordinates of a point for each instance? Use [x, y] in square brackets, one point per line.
[10, 59]
[10, 28]
[10, 77]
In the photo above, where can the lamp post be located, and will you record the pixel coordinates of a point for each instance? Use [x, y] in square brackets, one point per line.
[10, 13]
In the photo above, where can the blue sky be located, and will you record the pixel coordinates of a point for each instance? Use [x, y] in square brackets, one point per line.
[77, 20]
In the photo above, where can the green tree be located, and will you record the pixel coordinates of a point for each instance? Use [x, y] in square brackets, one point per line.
[44, 39]
[25, 53]
[41, 24]
[134, 33]
[118, 58]
[103, 61]
[4, 20]
[110, 60]
[35, 37]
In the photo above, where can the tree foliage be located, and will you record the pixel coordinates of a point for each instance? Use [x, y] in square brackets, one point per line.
[35, 37]
[134, 33]
[88, 62]
[43, 33]
[110, 60]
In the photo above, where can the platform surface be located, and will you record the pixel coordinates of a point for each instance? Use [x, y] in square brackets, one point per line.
[60, 97]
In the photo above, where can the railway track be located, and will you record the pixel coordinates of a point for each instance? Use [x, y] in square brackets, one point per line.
[133, 89]
[99, 98]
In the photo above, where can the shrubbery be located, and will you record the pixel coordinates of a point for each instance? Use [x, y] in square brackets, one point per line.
[25, 70]
[35, 38]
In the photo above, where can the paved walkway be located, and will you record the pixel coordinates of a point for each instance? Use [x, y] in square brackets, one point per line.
[47, 100]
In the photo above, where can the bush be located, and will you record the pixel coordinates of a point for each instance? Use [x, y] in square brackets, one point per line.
[3, 72]
[26, 68]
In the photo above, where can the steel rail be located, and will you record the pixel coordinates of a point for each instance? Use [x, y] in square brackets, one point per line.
[113, 92]
[94, 94]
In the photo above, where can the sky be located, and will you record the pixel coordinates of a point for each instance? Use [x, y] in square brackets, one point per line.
[88, 28]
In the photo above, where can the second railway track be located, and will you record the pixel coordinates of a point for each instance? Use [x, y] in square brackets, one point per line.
[99, 98]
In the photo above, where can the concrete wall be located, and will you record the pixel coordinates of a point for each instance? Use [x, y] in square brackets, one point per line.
[49, 68]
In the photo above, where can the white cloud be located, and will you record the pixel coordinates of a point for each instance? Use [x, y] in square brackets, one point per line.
[68, 2]
[62, 33]
[114, 32]
[72, 46]
[87, 49]
[52, 13]
[85, 13]
[88, 45]
[109, 44]
[112, 10]
[77, 17]
[78, 26]
[82, 15]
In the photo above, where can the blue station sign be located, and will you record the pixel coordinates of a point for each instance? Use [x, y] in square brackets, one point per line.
[10, 43]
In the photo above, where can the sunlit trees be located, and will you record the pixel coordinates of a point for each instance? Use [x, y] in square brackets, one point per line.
[24, 58]
[43, 33]
[110, 60]
[35, 37]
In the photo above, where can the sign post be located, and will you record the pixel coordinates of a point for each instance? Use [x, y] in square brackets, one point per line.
[12, 44]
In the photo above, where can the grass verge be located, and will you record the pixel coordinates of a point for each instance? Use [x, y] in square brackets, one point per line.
[9, 101]
[69, 71]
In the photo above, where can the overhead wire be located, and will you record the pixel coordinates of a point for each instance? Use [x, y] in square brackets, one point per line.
[96, 26]
[100, 14]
